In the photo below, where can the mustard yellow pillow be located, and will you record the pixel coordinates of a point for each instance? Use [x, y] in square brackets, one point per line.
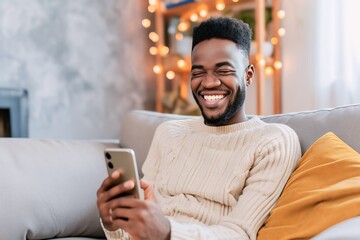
[323, 190]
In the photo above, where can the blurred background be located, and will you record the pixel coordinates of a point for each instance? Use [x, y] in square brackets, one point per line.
[71, 69]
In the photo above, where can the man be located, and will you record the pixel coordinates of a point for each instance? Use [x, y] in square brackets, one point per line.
[214, 177]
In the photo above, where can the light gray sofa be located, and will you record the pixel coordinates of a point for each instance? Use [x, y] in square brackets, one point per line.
[48, 188]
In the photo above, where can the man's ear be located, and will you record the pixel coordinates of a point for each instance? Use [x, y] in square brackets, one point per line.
[250, 71]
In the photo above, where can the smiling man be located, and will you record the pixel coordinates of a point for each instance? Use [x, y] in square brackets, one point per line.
[213, 177]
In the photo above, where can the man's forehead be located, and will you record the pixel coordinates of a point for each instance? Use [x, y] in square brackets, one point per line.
[212, 52]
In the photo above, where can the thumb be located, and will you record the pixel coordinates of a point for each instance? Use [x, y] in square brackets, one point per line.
[148, 190]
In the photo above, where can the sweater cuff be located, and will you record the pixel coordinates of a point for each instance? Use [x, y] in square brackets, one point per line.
[118, 234]
[180, 230]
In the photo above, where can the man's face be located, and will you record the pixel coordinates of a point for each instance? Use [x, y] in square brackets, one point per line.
[218, 81]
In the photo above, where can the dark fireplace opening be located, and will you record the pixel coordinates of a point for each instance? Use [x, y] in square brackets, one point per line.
[5, 130]
[13, 112]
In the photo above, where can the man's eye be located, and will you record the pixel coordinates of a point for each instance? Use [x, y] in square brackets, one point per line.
[197, 74]
[224, 72]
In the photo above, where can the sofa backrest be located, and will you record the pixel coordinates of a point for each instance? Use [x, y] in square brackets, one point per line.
[344, 121]
[138, 127]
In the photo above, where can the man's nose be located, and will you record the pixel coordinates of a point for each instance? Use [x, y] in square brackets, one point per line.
[210, 81]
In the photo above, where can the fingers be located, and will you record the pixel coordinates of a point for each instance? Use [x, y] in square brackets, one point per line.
[108, 182]
[110, 188]
[111, 210]
[107, 192]
[123, 213]
[124, 202]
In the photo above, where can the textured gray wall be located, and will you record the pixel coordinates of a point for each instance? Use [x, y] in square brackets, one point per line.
[84, 62]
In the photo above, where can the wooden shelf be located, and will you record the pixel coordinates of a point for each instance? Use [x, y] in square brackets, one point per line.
[209, 5]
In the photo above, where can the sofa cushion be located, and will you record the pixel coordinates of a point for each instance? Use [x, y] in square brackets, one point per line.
[48, 188]
[323, 190]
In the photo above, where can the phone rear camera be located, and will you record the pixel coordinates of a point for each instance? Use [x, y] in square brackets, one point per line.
[108, 156]
[110, 165]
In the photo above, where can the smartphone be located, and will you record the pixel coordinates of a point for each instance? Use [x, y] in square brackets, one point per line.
[124, 159]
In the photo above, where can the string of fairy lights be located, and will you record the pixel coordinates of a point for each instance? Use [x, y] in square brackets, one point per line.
[197, 15]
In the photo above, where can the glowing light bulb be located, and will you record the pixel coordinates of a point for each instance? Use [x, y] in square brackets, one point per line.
[183, 26]
[179, 36]
[260, 59]
[203, 13]
[181, 63]
[194, 17]
[262, 62]
[164, 50]
[170, 75]
[153, 50]
[154, 36]
[146, 23]
[269, 71]
[152, 2]
[274, 40]
[220, 6]
[281, 32]
[151, 8]
[277, 65]
[157, 69]
[281, 14]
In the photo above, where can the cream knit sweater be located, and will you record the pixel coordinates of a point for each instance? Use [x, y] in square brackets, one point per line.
[218, 182]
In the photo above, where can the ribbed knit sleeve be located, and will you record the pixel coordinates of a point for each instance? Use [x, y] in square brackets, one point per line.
[118, 234]
[276, 159]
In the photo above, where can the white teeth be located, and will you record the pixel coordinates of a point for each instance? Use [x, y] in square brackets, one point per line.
[213, 97]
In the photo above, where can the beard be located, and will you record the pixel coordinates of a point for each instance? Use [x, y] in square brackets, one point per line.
[230, 111]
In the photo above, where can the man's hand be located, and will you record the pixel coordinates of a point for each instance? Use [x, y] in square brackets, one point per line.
[106, 193]
[141, 219]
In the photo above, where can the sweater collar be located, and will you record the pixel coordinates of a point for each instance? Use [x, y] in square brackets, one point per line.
[252, 121]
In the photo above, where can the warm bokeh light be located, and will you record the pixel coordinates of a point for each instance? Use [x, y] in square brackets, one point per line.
[281, 32]
[262, 62]
[151, 8]
[170, 75]
[235, 0]
[203, 13]
[269, 71]
[146, 23]
[194, 17]
[181, 63]
[179, 36]
[274, 40]
[183, 26]
[154, 36]
[153, 50]
[281, 14]
[220, 6]
[259, 58]
[164, 50]
[157, 69]
[152, 2]
[277, 65]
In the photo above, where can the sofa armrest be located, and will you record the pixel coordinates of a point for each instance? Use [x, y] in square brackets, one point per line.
[48, 188]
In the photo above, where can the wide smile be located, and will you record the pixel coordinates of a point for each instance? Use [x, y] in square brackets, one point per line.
[213, 100]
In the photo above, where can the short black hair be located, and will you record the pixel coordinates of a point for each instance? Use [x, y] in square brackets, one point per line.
[224, 28]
